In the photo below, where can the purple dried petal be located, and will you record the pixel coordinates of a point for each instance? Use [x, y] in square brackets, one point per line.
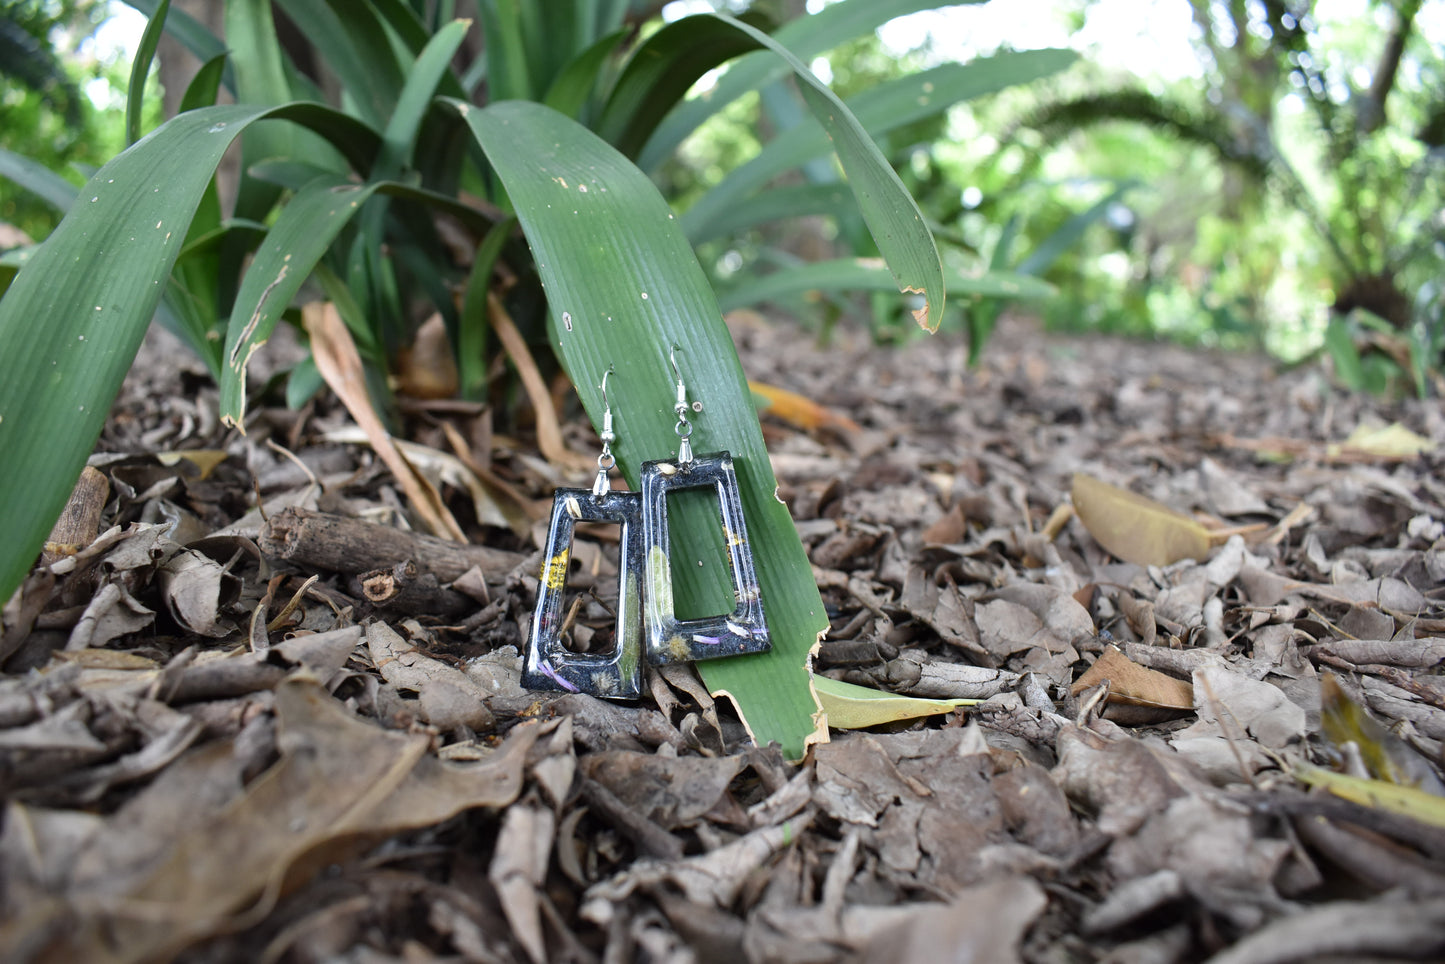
[548, 671]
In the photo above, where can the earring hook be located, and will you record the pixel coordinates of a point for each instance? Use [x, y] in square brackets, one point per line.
[606, 405]
[601, 486]
[683, 428]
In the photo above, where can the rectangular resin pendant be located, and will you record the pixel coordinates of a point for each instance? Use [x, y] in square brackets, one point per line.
[549, 664]
[673, 640]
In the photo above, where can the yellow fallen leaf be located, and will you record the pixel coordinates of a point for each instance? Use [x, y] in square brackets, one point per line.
[205, 460]
[1386, 757]
[1406, 801]
[106, 659]
[1393, 441]
[1134, 528]
[852, 707]
[800, 410]
[1135, 685]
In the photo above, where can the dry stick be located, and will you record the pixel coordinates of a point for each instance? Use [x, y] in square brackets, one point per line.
[340, 365]
[79, 521]
[344, 544]
[648, 836]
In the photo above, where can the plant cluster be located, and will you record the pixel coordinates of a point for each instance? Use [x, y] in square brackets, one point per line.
[409, 174]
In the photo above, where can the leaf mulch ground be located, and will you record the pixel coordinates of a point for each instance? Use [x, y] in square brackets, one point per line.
[296, 734]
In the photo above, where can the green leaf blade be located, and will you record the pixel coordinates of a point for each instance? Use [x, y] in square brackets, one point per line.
[623, 286]
[868, 274]
[38, 180]
[78, 309]
[145, 53]
[74, 320]
[432, 64]
[890, 212]
[300, 237]
[806, 36]
[887, 107]
[660, 72]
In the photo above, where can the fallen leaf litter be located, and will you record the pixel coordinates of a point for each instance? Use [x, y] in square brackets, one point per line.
[193, 770]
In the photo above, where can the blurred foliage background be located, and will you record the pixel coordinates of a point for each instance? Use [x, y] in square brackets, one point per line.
[62, 95]
[1261, 175]
[1222, 174]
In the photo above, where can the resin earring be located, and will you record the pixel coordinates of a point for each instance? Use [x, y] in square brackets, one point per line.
[673, 640]
[549, 664]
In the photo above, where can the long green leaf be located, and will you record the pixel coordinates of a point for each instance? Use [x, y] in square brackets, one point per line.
[508, 73]
[38, 180]
[205, 85]
[660, 72]
[399, 139]
[1051, 248]
[74, 316]
[145, 53]
[881, 109]
[892, 216]
[472, 322]
[776, 204]
[869, 274]
[623, 285]
[191, 34]
[807, 37]
[301, 235]
[571, 91]
[352, 43]
[403, 20]
[257, 60]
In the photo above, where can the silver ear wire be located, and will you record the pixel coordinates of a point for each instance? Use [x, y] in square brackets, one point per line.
[683, 428]
[602, 484]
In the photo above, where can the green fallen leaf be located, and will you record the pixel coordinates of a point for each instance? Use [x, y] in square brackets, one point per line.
[851, 707]
[1406, 801]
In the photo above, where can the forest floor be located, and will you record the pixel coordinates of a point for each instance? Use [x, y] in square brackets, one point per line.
[296, 733]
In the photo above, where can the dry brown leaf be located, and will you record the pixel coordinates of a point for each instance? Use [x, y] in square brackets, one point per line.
[1134, 528]
[426, 369]
[950, 528]
[549, 432]
[196, 590]
[519, 867]
[434, 464]
[1135, 685]
[986, 922]
[340, 365]
[339, 785]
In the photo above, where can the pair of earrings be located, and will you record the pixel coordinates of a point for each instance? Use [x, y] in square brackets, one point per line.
[647, 625]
